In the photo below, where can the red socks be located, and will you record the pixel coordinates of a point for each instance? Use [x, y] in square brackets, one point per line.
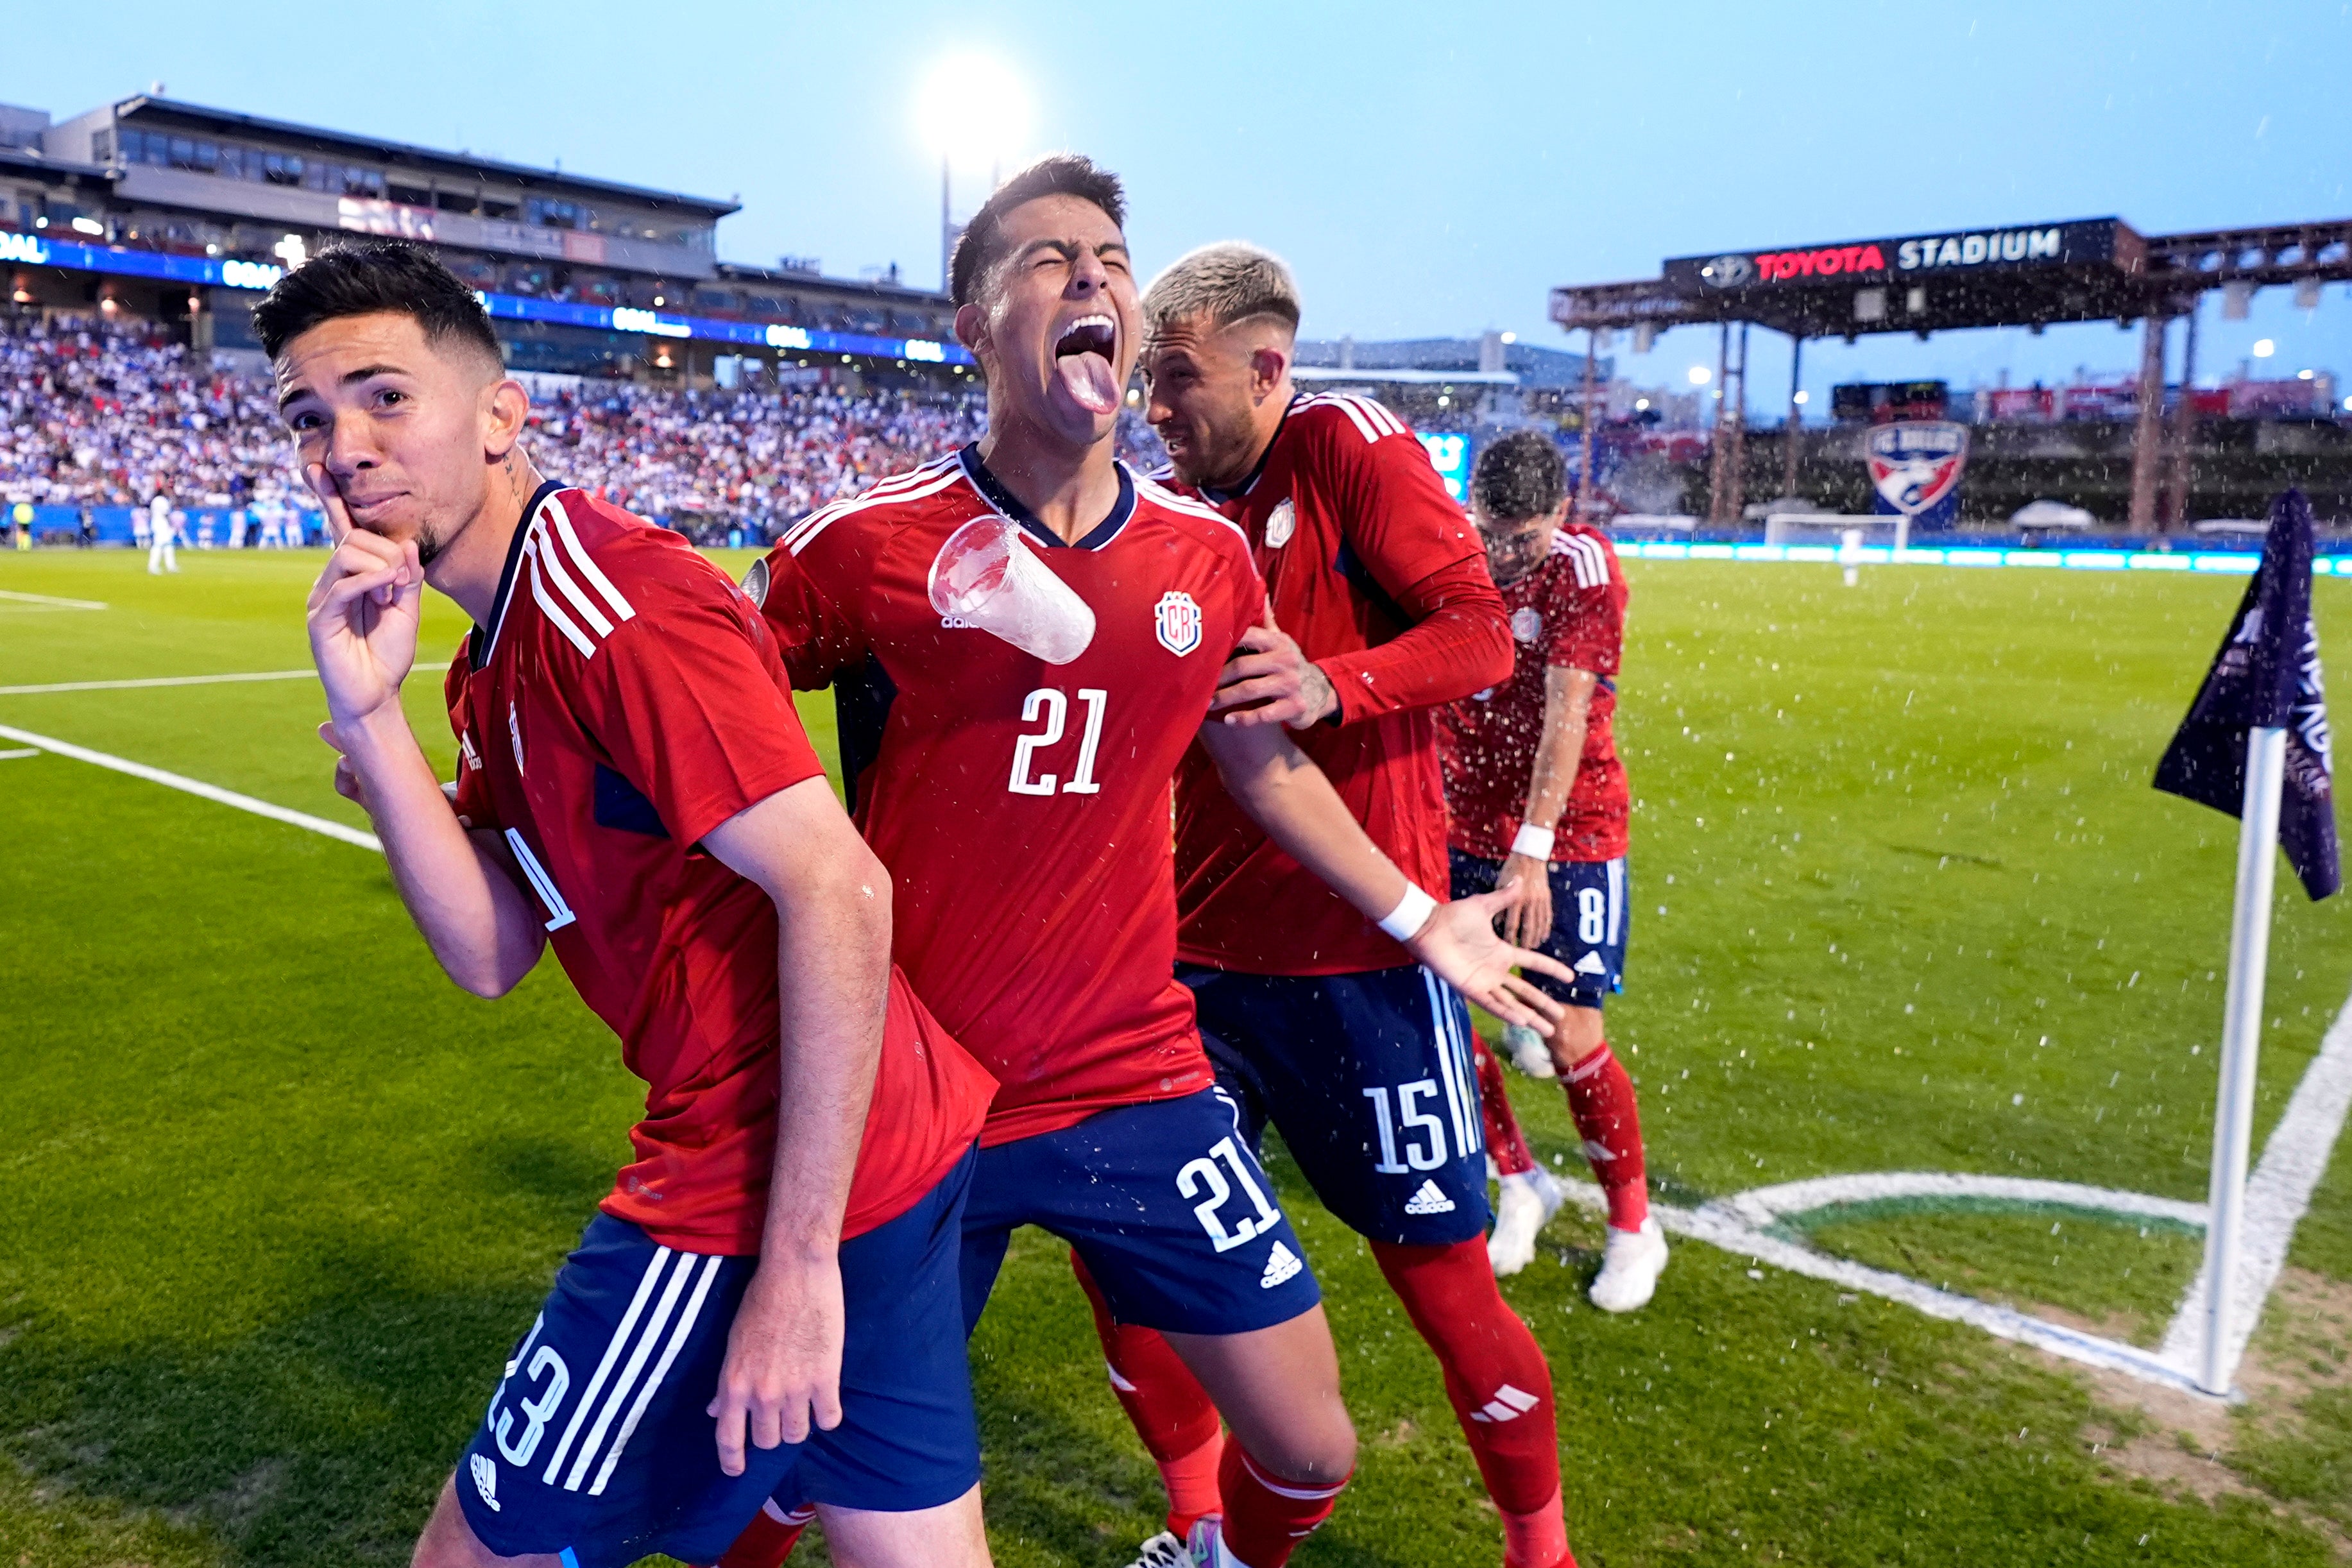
[768, 1538]
[1600, 1099]
[1495, 1374]
[1170, 1411]
[1266, 1518]
[1538, 1540]
[1503, 1139]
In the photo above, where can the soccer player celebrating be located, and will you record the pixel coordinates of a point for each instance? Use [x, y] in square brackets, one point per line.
[1538, 800]
[770, 1297]
[1025, 639]
[1316, 1017]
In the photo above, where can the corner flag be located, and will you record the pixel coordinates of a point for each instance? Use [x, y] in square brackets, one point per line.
[2266, 676]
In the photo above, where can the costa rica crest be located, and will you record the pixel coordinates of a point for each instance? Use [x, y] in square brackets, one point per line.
[1176, 621]
[1280, 525]
[1916, 463]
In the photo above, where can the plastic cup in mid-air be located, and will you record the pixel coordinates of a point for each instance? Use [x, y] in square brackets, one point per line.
[985, 576]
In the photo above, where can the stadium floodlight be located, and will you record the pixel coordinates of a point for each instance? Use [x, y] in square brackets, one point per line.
[2305, 374]
[973, 113]
[973, 110]
[2264, 348]
[1700, 375]
[1802, 398]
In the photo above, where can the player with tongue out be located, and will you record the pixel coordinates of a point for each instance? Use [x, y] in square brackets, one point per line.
[1024, 639]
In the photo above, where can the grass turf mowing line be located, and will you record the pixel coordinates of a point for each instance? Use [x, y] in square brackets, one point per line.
[267, 1251]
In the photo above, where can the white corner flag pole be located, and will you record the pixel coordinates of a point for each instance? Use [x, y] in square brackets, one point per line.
[2242, 1033]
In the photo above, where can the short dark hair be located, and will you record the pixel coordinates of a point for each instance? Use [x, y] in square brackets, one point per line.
[1519, 476]
[369, 278]
[981, 245]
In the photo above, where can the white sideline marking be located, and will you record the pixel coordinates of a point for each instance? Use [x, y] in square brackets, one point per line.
[50, 601]
[2277, 1196]
[156, 680]
[195, 787]
[27, 752]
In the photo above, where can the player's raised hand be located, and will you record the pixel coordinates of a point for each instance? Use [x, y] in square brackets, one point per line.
[1528, 919]
[1271, 681]
[1459, 945]
[363, 612]
[781, 1378]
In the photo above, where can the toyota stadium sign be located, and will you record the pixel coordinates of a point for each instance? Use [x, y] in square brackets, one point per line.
[2094, 242]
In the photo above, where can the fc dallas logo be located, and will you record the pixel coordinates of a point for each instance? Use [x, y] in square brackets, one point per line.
[1176, 621]
[1916, 463]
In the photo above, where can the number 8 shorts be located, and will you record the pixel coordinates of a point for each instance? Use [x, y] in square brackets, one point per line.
[1590, 917]
[597, 1448]
[1166, 1203]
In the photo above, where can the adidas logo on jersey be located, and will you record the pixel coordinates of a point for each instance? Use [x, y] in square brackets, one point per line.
[954, 623]
[1429, 1200]
[486, 1481]
[1508, 1405]
[1280, 1264]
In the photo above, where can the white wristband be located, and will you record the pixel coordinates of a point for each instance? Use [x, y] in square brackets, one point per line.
[1533, 842]
[1412, 912]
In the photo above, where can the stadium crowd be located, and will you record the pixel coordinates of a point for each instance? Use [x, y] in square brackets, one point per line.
[93, 413]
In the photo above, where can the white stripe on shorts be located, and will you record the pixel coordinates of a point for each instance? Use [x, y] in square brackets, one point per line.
[605, 1367]
[1616, 898]
[625, 1384]
[661, 1370]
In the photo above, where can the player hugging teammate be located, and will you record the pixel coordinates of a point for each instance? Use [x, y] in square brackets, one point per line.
[1539, 805]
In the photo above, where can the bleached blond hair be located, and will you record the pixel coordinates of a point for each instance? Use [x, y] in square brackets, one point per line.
[1228, 281]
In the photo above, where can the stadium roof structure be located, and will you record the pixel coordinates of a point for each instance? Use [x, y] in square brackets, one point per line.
[1494, 359]
[405, 154]
[2027, 275]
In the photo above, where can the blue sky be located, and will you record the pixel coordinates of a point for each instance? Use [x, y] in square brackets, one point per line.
[1430, 170]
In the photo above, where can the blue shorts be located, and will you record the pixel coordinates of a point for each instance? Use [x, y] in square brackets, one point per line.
[1368, 1079]
[1165, 1202]
[596, 1446]
[1590, 917]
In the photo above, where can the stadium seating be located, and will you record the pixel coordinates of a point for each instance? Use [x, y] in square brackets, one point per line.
[102, 415]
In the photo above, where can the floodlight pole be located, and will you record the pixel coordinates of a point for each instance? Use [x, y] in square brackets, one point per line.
[1584, 475]
[2148, 431]
[2242, 1033]
[947, 226]
[1796, 411]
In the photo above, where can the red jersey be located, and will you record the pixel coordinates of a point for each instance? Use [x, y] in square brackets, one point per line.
[1023, 808]
[1376, 572]
[624, 701]
[1568, 612]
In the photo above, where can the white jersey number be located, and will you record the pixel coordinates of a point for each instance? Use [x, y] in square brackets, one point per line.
[1049, 708]
[1202, 1176]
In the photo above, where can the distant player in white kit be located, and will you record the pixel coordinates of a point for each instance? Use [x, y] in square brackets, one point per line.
[160, 555]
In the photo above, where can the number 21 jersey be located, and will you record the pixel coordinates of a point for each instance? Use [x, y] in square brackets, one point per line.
[1023, 808]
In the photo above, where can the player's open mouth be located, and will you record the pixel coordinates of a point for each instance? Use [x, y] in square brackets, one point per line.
[1082, 357]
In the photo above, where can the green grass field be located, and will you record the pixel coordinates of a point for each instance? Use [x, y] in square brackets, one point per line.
[282, 1197]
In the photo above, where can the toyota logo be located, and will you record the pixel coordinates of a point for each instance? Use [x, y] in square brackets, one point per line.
[1727, 272]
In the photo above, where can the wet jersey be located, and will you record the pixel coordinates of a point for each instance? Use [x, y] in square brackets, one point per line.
[1568, 612]
[1359, 544]
[1023, 808]
[624, 701]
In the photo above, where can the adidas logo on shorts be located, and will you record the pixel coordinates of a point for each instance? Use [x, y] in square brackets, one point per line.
[1280, 1264]
[486, 1480]
[1429, 1200]
[1591, 964]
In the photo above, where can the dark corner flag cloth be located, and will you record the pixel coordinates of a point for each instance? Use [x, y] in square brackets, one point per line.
[2267, 677]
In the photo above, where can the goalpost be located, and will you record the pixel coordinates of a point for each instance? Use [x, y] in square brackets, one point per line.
[1834, 528]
